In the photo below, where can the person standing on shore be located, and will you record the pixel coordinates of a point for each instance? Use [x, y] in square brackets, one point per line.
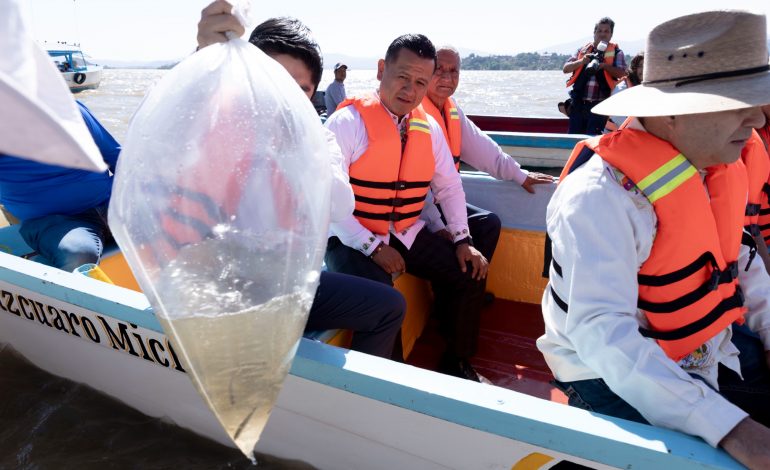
[596, 68]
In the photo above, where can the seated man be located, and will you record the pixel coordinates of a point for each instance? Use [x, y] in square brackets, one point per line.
[393, 153]
[654, 312]
[374, 312]
[63, 211]
[469, 144]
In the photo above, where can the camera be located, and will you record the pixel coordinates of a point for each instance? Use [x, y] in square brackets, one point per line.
[597, 58]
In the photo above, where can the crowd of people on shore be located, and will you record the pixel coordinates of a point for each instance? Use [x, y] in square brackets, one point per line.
[656, 309]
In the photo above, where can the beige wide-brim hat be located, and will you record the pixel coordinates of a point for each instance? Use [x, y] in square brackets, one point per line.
[40, 119]
[700, 63]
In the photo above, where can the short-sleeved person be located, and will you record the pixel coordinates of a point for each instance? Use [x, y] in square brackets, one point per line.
[394, 152]
[62, 211]
[335, 92]
[655, 311]
[594, 75]
[374, 312]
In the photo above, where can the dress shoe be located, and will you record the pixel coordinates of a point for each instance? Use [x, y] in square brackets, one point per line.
[461, 368]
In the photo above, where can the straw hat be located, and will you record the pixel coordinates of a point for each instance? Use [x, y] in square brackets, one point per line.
[700, 63]
[40, 119]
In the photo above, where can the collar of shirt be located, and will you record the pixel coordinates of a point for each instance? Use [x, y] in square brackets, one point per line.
[401, 123]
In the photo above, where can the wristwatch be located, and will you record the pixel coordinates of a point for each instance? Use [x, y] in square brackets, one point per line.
[463, 241]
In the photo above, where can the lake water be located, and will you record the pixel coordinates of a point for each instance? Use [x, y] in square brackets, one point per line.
[503, 93]
[51, 423]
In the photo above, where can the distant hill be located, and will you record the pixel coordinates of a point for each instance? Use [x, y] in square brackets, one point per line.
[522, 61]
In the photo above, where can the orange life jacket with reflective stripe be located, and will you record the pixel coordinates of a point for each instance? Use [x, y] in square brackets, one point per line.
[688, 287]
[450, 124]
[389, 184]
[755, 158]
[609, 59]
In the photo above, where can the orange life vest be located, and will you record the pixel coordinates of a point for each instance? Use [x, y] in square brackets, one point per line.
[389, 184]
[755, 158]
[688, 287]
[609, 59]
[449, 119]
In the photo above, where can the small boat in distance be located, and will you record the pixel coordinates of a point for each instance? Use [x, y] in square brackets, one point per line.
[77, 71]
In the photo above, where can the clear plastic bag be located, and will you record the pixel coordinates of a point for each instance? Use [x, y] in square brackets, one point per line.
[221, 206]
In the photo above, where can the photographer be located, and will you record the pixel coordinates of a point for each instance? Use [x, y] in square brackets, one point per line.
[596, 68]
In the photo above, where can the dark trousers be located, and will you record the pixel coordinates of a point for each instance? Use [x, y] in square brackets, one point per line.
[752, 394]
[433, 258]
[373, 311]
[583, 121]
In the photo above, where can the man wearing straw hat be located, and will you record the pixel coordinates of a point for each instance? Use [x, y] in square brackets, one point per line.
[654, 311]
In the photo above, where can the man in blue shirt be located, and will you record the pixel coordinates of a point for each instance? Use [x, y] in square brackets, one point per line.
[63, 211]
[335, 92]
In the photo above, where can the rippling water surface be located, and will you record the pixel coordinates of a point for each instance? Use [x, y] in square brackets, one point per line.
[51, 423]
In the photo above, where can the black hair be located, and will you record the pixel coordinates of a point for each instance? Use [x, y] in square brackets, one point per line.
[416, 43]
[633, 69]
[605, 20]
[286, 35]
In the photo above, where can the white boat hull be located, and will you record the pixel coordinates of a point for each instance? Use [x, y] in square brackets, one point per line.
[338, 409]
[84, 80]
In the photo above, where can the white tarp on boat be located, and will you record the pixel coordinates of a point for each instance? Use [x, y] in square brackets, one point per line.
[40, 120]
[221, 206]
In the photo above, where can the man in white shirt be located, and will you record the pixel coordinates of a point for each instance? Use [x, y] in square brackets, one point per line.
[393, 153]
[335, 92]
[469, 144]
[649, 284]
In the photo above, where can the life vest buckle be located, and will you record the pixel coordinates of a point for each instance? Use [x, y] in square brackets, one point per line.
[716, 274]
[399, 185]
[397, 202]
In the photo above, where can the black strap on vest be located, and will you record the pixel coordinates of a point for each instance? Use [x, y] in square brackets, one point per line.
[391, 201]
[585, 154]
[562, 304]
[679, 274]
[734, 301]
[390, 216]
[456, 159]
[394, 185]
[749, 241]
[717, 277]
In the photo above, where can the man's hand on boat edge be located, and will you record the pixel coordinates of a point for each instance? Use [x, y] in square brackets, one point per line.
[536, 178]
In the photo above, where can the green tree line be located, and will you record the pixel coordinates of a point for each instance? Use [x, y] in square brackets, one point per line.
[522, 61]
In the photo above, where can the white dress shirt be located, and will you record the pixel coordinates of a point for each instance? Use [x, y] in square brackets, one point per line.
[350, 131]
[601, 235]
[481, 152]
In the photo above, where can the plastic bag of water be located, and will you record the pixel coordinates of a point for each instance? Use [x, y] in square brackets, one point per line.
[221, 206]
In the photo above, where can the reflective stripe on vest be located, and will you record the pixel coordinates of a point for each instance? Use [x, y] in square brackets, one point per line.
[688, 286]
[755, 158]
[609, 59]
[390, 187]
[450, 124]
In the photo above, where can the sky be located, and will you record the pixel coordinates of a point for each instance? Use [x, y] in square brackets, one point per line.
[152, 30]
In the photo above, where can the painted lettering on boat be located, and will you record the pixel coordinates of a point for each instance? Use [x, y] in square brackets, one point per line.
[100, 329]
